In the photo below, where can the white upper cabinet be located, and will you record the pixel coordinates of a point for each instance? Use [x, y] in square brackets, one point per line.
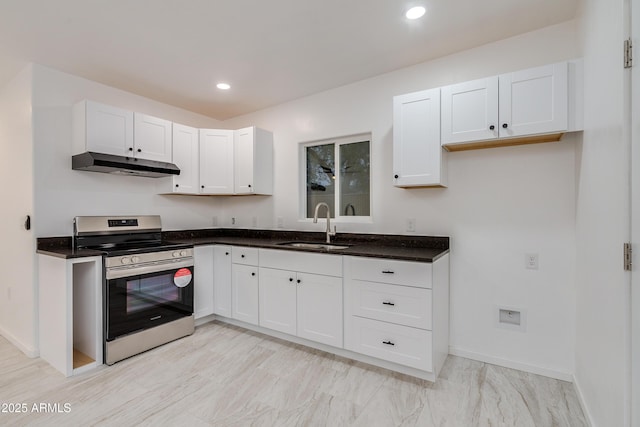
[216, 161]
[104, 129]
[151, 138]
[253, 161]
[533, 105]
[186, 156]
[418, 159]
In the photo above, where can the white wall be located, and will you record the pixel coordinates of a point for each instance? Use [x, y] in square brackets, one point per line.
[17, 321]
[62, 193]
[500, 204]
[602, 286]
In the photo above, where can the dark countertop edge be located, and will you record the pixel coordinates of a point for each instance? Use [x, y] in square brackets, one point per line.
[399, 247]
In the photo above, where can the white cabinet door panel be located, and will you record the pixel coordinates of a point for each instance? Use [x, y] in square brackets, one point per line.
[216, 161]
[152, 138]
[534, 101]
[417, 154]
[278, 300]
[203, 281]
[222, 280]
[186, 156]
[245, 293]
[109, 130]
[319, 304]
[470, 110]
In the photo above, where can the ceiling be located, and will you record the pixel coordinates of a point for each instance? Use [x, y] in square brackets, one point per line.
[270, 51]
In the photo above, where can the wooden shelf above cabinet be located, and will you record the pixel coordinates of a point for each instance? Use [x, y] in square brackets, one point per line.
[508, 142]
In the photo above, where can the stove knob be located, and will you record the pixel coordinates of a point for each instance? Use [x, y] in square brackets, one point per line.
[183, 253]
[135, 259]
[125, 260]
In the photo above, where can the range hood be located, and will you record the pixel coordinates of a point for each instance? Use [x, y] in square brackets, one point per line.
[120, 165]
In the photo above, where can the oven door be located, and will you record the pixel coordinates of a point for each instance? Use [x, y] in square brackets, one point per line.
[142, 297]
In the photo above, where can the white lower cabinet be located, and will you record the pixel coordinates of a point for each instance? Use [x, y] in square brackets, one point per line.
[244, 285]
[398, 311]
[302, 303]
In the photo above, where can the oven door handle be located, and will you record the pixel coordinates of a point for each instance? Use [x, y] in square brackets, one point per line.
[138, 270]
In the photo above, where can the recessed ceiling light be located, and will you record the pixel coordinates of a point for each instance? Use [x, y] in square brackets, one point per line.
[415, 12]
[223, 86]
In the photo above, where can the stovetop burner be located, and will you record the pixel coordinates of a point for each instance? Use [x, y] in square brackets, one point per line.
[119, 235]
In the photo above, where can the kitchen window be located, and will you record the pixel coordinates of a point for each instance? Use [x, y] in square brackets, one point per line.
[338, 173]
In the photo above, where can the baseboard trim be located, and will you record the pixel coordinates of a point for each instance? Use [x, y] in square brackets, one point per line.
[27, 350]
[506, 363]
[583, 403]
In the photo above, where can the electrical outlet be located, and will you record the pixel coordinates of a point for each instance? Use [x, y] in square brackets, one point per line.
[411, 225]
[214, 221]
[254, 222]
[280, 222]
[512, 318]
[531, 261]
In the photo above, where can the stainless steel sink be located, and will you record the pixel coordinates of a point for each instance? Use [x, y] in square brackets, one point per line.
[307, 245]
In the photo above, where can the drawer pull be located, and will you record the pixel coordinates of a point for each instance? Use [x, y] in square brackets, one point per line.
[387, 343]
[242, 256]
[387, 272]
[388, 303]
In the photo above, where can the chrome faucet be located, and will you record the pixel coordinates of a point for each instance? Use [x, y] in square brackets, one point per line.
[315, 220]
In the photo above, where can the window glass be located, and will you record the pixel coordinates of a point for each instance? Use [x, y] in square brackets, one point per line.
[354, 179]
[338, 174]
[321, 179]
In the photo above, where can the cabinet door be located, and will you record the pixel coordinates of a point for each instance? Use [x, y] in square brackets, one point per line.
[470, 111]
[152, 138]
[203, 281]
[244, 140]
[186, 157]
[244, 287]
[222, 280]
[109, 130]
[278, 300]
[417, 154]
[534, 101]
[216, 161]
[319, 305]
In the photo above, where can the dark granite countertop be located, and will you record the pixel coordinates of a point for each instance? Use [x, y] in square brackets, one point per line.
[401, 247]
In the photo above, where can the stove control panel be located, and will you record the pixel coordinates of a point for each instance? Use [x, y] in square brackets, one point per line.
[150, 257]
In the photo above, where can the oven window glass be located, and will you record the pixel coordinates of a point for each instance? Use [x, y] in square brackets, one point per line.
[148, 292]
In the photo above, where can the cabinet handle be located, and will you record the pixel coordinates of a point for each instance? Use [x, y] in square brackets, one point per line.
[299, 281]
[130, 148]
[504, 126]
[253, 273]
[177, 185]
[395, 176]
[242, 256]
[249, 185]
[387, 272]
[139, 150]
[226, 253]
[388, 303]
[291, 279]
[492, 127]
[387, 343]
[202, 186]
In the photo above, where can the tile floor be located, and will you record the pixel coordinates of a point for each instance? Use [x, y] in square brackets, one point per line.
[223, 375]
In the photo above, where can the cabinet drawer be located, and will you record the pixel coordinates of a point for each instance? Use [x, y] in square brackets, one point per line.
[391, 303]
[399, 344]
[327, 265]
[391, 271]
[244, 255]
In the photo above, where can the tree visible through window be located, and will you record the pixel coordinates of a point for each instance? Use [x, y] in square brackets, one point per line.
[338, 174]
